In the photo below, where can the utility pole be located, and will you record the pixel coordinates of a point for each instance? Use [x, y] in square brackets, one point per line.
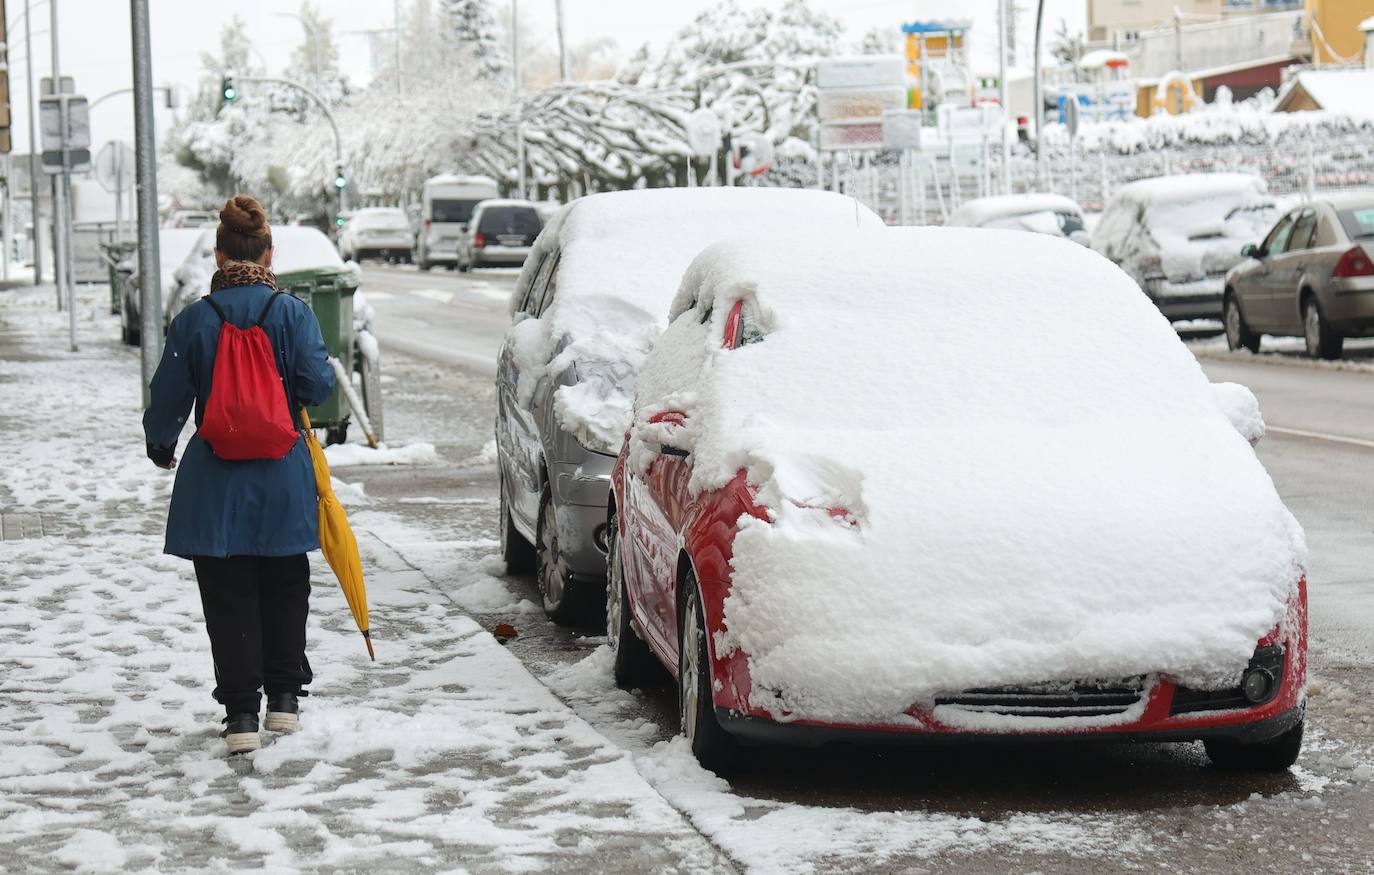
[1003, 31]
[519, 109]
[63, 223]
[564, 64]
[145, 159]
[33, 151]
[1038, 114]
[396, 26]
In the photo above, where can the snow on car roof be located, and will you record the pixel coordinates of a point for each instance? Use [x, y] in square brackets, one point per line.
[503, 202]
[1044, 485]
[621, 259]
[1188, 187]
[174, 244]
[980, 210]
[302, 248]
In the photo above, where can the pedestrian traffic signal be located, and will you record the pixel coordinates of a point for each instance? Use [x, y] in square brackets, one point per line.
[227, 90]
[340, 221]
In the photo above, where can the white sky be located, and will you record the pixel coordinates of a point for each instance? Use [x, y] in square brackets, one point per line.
[95, 49]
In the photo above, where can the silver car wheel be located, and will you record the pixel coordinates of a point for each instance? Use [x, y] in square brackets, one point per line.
[615, 603]
[1312, 329]
[1232, 324]
[688, 681]
[550, 561]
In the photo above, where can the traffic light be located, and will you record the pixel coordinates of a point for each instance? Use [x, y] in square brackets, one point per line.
[340, 181]
[340, 221]
[227, 90]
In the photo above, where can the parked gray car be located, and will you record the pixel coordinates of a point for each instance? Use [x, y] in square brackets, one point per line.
[1312, 277]
[589, 305]
[499, 234]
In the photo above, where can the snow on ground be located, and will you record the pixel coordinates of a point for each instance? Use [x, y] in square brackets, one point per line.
[444, 753]
[1359, 353]
[347, 455]
[783, 837]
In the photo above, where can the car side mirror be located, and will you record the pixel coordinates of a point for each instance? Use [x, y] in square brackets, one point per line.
[665, 419]
[1242, 409]
[1250, 250]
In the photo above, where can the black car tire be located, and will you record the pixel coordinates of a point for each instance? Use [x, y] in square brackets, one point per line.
[1275, 755]
[1239, 335]
[516, 552]
[713, 747]
[1321, 339]
[464, 267]
[634, 663]
[566, 600]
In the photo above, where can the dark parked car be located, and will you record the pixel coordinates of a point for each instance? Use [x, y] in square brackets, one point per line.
[1312, 276]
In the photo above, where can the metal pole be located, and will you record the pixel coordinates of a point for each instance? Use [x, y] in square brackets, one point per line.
[564, 64]
[34, 238]
[515, 79]
[1002, 88]
[1038, 112]
[145, 158]
[396, 32]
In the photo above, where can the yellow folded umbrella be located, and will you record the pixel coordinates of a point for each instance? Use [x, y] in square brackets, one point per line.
[336, 538]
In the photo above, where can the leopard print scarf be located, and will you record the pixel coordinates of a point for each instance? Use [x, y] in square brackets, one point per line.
[242, 273]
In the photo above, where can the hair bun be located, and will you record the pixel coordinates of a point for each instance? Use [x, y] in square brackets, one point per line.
[244, 215]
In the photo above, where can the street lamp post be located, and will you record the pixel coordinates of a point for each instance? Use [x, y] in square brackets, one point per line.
[33, 150]
[145, 169]
[515, 80]
[314, 39]
[333, 125]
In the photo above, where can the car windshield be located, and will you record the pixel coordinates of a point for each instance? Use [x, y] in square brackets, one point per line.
[1358, 222]
[1237, 214]
[454, 210]
[511, 220]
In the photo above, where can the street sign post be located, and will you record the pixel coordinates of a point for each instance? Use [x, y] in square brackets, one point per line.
[861, 103]
[114, 170]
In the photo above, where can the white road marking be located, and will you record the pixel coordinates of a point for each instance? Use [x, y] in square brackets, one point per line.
[1321, 436]
[379, 296]
[434, 295]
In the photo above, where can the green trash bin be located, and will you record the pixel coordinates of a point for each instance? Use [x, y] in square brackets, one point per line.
[329, 292]
[118, 257]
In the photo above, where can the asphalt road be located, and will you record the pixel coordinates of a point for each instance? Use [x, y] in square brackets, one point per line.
[1171, 810]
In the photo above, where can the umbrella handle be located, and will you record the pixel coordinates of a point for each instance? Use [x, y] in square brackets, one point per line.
[367, 639]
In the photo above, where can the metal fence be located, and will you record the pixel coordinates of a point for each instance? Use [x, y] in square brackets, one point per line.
[1301, 163]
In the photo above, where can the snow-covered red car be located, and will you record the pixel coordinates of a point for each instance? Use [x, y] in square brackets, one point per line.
[842, 513]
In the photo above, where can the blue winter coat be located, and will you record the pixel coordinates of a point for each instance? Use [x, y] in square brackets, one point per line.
[256, 508]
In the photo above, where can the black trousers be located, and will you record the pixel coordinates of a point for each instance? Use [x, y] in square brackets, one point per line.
[255, 610]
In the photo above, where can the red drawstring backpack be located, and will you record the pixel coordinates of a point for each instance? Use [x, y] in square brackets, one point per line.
[246, 416]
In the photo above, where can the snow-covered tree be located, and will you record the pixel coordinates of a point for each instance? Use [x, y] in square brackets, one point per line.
[472, 24]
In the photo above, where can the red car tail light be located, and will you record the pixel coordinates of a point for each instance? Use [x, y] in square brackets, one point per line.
[1354, 262]
[479, 242]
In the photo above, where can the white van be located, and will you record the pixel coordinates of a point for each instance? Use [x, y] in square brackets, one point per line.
[446, 205]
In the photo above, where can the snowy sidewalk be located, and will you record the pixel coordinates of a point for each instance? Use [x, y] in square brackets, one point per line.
[444, 754]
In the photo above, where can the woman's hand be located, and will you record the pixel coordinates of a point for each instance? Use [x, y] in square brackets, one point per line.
[163, 457]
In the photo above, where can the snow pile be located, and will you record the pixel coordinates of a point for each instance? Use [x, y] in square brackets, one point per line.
[1003, 512]
[347, 455]
[298, 247]
[1241, 123]
[1241, 408]
[609, 306]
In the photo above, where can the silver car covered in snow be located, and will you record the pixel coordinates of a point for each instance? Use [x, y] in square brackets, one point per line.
[587, 309]
[1177, 236]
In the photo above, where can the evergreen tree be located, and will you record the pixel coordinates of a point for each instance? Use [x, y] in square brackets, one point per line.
[472, 25]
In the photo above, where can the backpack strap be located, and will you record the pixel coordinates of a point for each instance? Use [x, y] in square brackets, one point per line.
[262, 317]
[218, 310]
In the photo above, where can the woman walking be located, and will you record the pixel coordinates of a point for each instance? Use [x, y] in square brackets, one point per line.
[244, 516]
